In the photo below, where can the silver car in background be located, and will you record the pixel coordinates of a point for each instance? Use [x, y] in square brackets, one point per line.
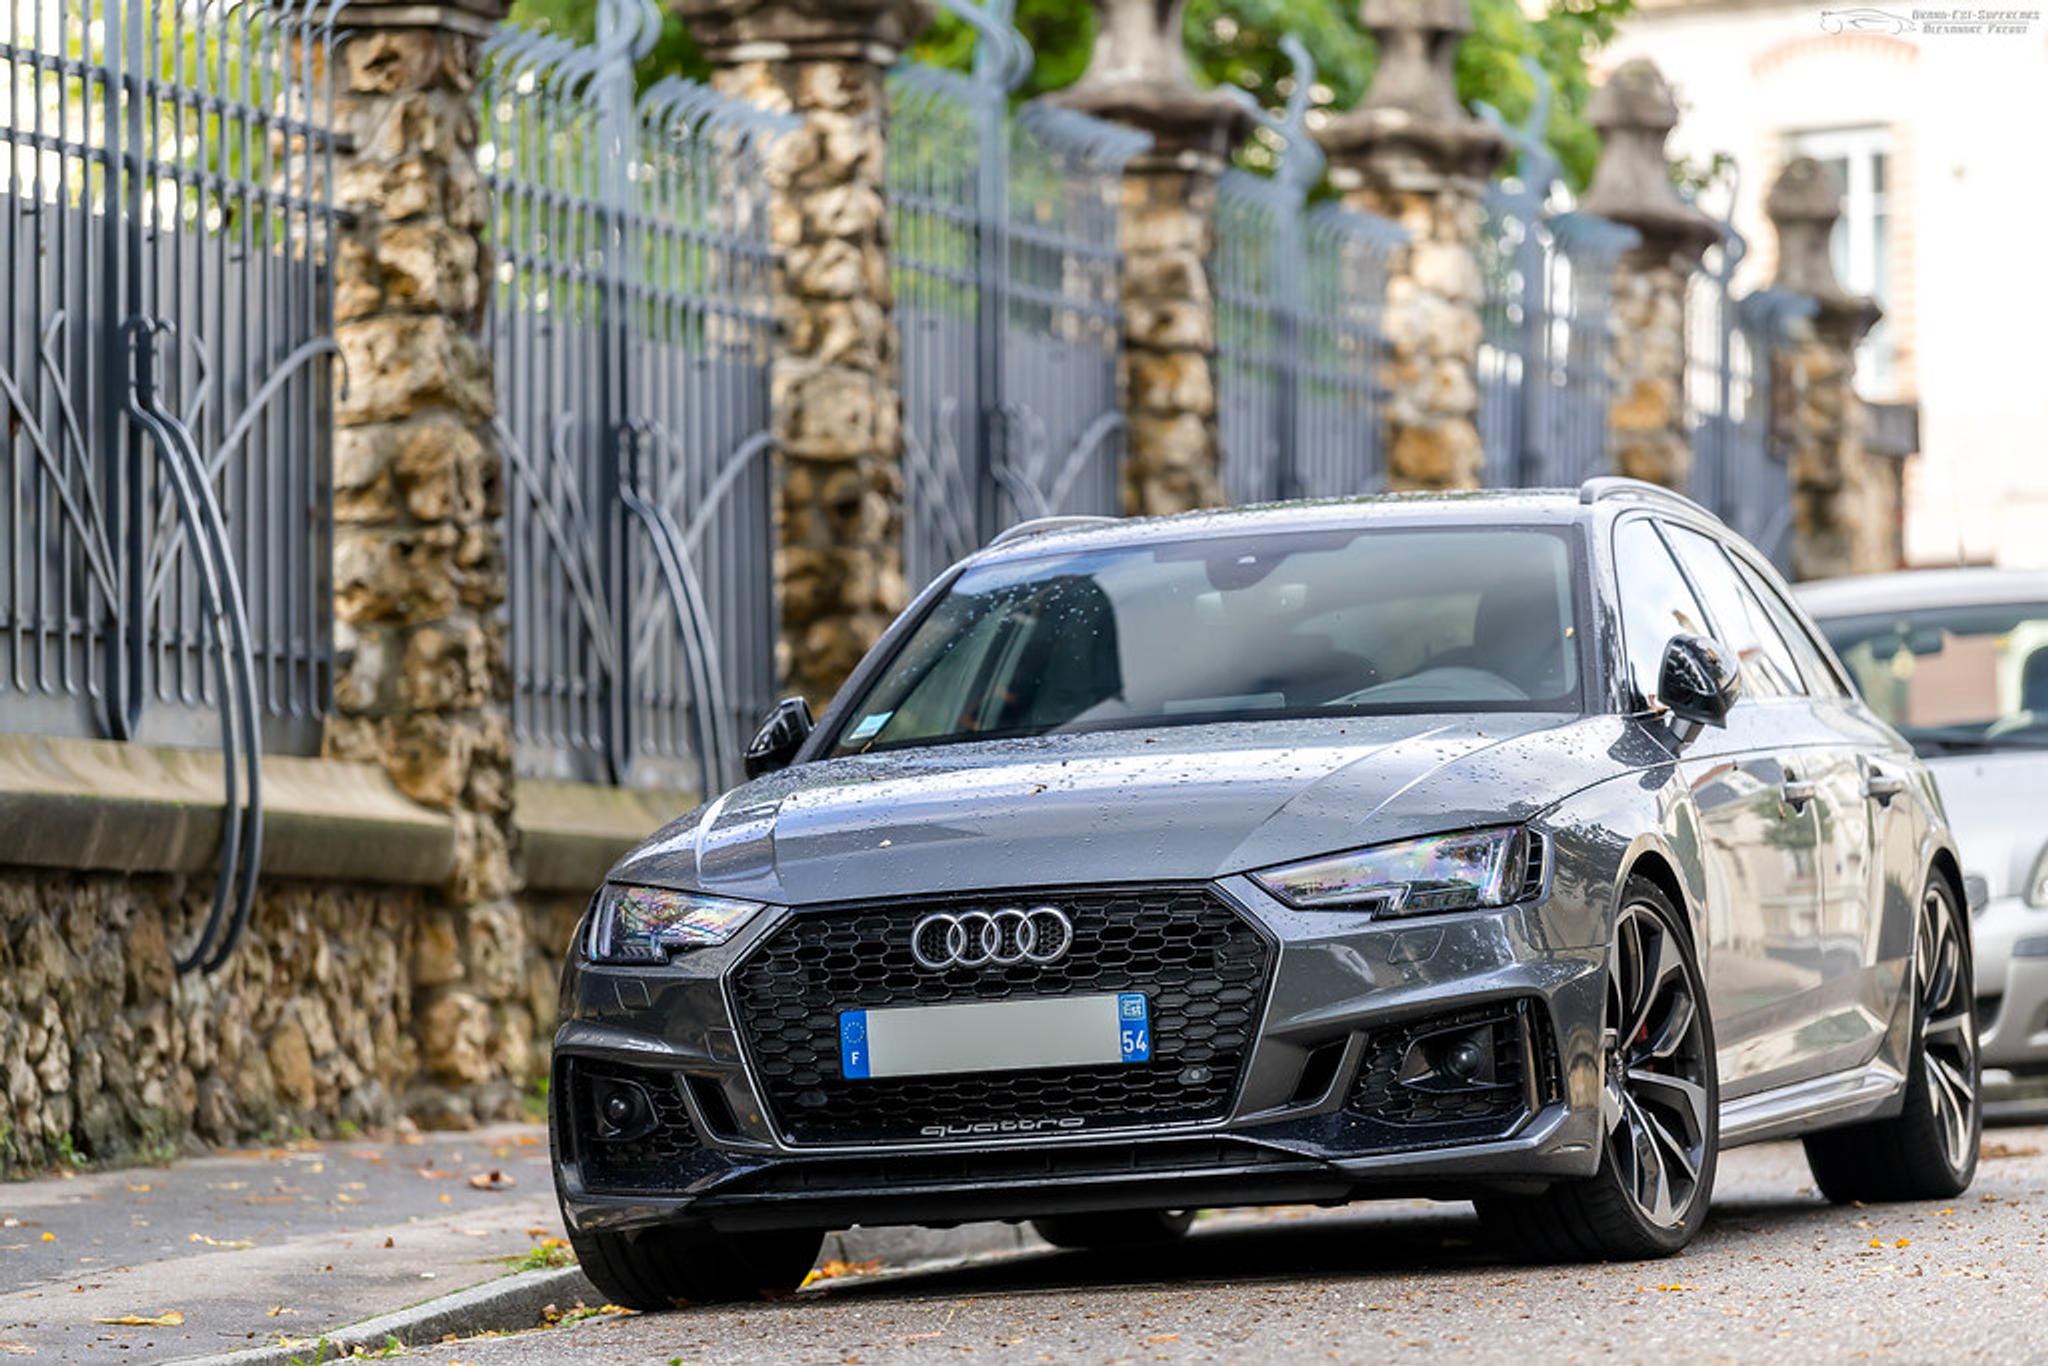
[1957, 660]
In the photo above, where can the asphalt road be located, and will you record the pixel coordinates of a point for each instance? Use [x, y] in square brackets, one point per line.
[1777, 1275]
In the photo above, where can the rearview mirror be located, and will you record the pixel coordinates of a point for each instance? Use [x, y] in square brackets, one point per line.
[780, 737]
[1699, 680]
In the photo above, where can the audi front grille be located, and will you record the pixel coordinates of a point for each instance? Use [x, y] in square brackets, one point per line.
[1203, 965]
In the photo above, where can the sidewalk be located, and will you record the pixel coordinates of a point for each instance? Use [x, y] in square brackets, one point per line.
[234, 1251]
[220, 1254]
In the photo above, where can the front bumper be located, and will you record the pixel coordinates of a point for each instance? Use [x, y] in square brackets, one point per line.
[2011, 944]
[1344, 994]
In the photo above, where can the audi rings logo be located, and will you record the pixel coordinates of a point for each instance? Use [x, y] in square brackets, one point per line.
[1001, 938]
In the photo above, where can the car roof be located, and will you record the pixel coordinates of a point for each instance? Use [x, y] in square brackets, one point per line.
[1473, 507]
[1908, 589]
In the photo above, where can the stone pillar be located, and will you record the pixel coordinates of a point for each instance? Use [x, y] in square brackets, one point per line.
[1411, 153]
[421, 684]
[1816, 418]
[1646, 420]
[837, 402]
[1139, 76]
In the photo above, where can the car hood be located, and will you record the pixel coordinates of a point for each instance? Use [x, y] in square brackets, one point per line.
[1175, 803]
[1994, 808]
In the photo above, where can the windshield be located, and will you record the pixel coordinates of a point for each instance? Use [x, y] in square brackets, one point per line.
[1289, 624]
[1953, 678]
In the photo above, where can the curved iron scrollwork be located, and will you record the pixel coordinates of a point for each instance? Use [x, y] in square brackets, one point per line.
[1007, 297]
[165, 323]
[631, 329]
[1299, 299]
[1543, 362]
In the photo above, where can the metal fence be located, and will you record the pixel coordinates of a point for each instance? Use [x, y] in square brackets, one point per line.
[164, 386]
[1004, 228]
[1737, 471]
[1299, 293]
[1543, 356]
[630, 325]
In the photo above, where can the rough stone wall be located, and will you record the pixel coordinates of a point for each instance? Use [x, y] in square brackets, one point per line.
[1646, 416]
[839, 560]
[1168, 229]
[421, 682]
[108, 1056]
[1433, 330]
[1844, 500]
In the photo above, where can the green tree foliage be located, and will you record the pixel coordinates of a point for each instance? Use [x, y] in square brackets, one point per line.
[1237, 42]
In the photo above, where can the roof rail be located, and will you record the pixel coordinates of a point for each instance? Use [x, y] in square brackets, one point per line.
[1039, 526]
[1602, 486]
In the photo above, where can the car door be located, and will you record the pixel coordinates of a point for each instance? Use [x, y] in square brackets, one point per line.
[1869, 873]
[1773, 816]
[1758, 848]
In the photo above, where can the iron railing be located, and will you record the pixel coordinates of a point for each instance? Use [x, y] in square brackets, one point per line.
[1299, 346]
[1004, 228]
[164, 387]
[630, 325]
[1544, 351]
[1737, 469]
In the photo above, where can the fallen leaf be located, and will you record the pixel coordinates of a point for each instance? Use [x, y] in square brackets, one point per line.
[16, 1349]
[277, 1310]
[220, 1242]
[492, 1180]
[1903, 1242]
[49, 1237]
[170, 1318]
[139, 1187]
[433, 1173]
[1877, 1242]
[1993, 1151]
[1164, 1337]
[446, 1198]
[837, 1266]
[389, 1243]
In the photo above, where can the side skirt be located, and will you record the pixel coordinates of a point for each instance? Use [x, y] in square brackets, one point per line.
[1865, 1092]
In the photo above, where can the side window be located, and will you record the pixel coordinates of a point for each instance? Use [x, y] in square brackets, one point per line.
[1768, 670]
[1821, 679]
[1655, 602]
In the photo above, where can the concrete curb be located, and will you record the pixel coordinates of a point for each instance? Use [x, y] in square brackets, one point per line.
[504, 1305]
[514, 1303]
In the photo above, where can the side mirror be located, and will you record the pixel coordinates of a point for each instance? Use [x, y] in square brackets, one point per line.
[780, 737]
[1699, 680]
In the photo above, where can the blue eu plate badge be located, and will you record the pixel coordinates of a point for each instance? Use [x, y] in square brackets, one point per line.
[1134, 1027]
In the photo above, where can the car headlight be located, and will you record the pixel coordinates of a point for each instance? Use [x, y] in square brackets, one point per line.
[2037, 881]
[647, 924]
[1458, 872]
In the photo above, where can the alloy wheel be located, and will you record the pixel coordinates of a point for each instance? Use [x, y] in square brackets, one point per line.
[1654, 1099]
[1948, 1025]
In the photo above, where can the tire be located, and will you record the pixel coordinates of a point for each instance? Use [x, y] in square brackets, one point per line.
[1660, 1108]
[662, 1268]
[1928, 1151]
[1124, 1228]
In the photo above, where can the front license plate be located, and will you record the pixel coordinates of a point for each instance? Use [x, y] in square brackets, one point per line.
[995, 1036]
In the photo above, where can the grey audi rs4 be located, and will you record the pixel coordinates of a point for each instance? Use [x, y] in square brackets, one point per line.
[1521, 848]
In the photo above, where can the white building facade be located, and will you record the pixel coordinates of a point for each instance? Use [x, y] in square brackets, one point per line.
[1933, 121]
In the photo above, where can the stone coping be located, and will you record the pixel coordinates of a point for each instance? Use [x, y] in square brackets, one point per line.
[572, 833]
[129, 808]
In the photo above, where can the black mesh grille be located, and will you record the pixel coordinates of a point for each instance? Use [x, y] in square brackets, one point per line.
[1201, 964]
[1382, 1097]
[655, 1161]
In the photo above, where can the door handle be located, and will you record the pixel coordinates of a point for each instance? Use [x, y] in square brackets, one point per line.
[1797, 793]
[1882, 787]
